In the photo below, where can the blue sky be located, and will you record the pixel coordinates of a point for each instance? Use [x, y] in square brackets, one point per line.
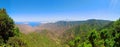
[55, 10]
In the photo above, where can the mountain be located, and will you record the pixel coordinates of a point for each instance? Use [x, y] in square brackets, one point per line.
[69, 24]
[61, 26]
[25, 28]
[62, 32]
[57, 27]
[84, 28]
[65, 23]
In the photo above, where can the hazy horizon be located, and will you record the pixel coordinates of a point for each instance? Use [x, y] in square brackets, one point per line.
[57, 10]
[43, 22]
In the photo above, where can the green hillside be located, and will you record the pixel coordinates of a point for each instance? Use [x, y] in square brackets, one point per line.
[76, 23]
[83, 28]
[107, 36]
[39, 40]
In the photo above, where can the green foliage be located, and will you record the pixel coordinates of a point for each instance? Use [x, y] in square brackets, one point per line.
[116, 33]
[7, 30]
[82, 31]
[39, 40]
[94, 36]
[1, 41]
[16, 42]
[85, 44]
[6, 25]
[107, 36]
[16, 31]
[111, 35]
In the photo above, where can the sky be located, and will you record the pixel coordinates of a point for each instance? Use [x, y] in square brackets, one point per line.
[56, 10]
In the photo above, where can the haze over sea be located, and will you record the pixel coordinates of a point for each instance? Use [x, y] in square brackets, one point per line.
[29, 23]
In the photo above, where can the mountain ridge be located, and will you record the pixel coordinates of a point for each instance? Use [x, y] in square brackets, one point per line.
[59, 26]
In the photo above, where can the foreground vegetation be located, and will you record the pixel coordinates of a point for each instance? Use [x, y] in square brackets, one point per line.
[8, 31]
[39, 40]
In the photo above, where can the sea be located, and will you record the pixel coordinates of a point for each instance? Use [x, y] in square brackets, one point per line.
[33, 24]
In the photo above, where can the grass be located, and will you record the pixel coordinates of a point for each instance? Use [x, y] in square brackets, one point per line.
[39, 40]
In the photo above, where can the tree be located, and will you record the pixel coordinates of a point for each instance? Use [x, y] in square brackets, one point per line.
[7, 25]
[116, 33]
[93, 36]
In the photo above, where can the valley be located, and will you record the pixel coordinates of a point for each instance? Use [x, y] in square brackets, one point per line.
[62, 31]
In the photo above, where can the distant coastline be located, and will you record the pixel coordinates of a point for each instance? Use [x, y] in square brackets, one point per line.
[29, 23]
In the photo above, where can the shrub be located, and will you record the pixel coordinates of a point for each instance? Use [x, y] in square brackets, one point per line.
[16, 42]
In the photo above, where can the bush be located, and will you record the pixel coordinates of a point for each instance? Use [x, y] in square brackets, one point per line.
[16, 42]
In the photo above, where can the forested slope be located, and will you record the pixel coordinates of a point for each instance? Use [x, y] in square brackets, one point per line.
[107, 36]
